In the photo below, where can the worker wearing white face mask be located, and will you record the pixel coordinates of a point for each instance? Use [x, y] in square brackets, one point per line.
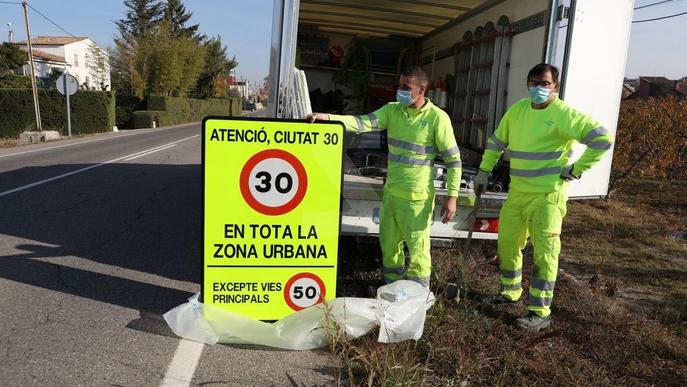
[417, 130]
[539, 131]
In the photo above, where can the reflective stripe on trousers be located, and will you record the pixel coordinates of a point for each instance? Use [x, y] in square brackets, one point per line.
[538, 216]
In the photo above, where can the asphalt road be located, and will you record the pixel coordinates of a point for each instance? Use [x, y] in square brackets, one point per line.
[99, 236]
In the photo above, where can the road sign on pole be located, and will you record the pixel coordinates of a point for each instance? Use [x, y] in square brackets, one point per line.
[67, 84]
[271, 214]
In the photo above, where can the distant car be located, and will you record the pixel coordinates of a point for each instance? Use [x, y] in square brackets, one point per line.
[249, 106]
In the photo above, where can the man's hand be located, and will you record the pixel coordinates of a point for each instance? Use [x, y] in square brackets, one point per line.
[449, 210]
[317, 116]
[567, 173]
[481, 181]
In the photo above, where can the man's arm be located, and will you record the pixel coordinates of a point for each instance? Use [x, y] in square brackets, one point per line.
[364, 123]
[446, 144]
[595, 136]
[496, 144]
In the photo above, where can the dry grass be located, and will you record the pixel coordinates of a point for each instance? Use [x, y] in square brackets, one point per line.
[620, 312]
[7, 143]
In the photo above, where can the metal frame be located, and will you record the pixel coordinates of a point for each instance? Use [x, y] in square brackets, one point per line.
[551, 45]
[276, 48]
[566, 54]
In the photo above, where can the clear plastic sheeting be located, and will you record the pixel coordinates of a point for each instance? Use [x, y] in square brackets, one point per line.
[399, 312]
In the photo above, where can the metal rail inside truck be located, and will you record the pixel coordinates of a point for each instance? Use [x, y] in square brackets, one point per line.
[345, 56]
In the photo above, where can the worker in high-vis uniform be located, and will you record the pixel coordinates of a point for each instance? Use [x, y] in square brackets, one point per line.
[417, 130]
[539, 133]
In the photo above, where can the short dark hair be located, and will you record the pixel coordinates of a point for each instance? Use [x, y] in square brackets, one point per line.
[418, 73]
[540, 69]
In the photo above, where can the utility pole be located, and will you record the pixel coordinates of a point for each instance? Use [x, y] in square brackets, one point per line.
[36, 106]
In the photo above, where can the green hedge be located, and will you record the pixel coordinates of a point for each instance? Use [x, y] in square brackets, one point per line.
[91, 111]
[125, 106]
[173, 110]
[13, 81]
[145, 118]
[235, 107]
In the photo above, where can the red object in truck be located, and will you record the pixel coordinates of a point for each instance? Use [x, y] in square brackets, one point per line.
[378, 95]
[486, 225]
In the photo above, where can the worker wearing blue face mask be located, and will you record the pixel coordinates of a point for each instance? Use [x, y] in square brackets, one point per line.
[539, 132]
[417, 130]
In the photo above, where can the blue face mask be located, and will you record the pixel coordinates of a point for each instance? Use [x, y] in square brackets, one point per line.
[539, 94]
[404, 97]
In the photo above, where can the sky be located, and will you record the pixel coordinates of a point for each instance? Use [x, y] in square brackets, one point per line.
[244, 25]
[656, 48]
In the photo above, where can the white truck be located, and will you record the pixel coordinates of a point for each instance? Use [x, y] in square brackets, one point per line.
[481, 49]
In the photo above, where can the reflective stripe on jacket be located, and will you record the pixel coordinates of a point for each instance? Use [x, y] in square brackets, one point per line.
[540, 143]
[415, 136]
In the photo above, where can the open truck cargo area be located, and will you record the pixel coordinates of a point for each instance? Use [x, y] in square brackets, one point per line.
[346, 56]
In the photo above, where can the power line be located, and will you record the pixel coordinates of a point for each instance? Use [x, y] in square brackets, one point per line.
[652, 4]
[53, 23]
[10, 2]
[660, 18]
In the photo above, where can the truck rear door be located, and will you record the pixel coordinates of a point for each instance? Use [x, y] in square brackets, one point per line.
[592, 75]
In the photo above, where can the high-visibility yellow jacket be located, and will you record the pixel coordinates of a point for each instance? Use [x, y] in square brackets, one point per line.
[540, 143]
[414, 136]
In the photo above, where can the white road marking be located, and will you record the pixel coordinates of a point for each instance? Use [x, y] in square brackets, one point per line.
[70, 144]
[88, 168]
[149, 152]
[180, 371]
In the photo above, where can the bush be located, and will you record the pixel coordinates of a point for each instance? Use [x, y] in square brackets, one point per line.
[91, 111]
[651, 140]
[235, 106]
[145, 118]
[13, 81]
[125, 106]
[175, 110]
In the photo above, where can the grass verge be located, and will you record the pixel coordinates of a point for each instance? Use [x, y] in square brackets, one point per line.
[620, 311]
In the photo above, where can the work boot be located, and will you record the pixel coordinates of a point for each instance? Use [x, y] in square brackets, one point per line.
[499, 299]
[532, 322]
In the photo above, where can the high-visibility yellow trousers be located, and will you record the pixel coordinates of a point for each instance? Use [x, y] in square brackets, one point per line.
[409, 221]
[540, 217]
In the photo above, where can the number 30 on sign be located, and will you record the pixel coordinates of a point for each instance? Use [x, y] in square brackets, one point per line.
[273, 182]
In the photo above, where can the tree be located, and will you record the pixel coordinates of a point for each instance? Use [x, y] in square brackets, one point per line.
[175, 12]
[140, 18]
[128, 58]
[11, 57]
[156, 52]
[96, 60]
[175, 62]
[216, 66]
[651, 141]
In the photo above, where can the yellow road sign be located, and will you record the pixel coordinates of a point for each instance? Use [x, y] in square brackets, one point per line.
[271, 210]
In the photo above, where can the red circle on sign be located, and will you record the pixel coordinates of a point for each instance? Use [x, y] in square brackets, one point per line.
[244, 182]
[293, 280]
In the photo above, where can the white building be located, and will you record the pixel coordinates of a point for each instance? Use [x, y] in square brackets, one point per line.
[43, 64]
[84, 59]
